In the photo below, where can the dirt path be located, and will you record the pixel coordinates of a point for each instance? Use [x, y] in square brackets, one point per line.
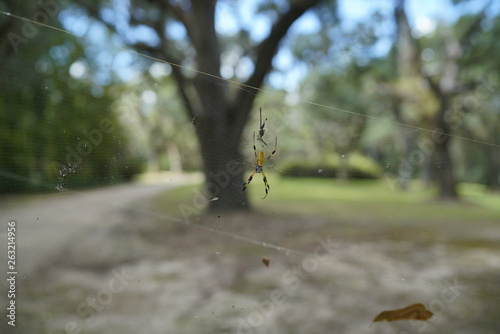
[46, 225]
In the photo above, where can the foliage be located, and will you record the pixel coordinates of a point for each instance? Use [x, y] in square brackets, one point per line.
[359, 167]
[45, 113]
[354, 90]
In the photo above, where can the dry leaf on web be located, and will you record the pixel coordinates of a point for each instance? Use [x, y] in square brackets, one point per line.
[266, 261]
[415, 311]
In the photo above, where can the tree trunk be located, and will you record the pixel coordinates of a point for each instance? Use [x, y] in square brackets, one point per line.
[174, 157]
[444, 90]
[217, 114]
[219, 119]
[222, 166]
[343, 168]
[153, 162]
[493, 159]
[218, 126]
[443, 162]
[223, 179]
[407, 68]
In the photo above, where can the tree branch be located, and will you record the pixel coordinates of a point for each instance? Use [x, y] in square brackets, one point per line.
[269, 46]
[407, 47]
[476, 24]
[160, 53]
[182, 17]
[164, 54]
[182, 82]
[432, 85]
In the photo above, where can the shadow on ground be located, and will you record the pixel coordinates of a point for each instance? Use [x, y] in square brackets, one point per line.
[144, 275]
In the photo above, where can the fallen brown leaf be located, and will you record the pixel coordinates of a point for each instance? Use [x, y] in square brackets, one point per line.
[415, 311]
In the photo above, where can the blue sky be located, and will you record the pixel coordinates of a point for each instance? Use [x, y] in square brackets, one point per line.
[423, 15]
[349, 10]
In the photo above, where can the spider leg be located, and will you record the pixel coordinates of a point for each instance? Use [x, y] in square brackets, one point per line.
[272, 153]
[248, 182]
[254, 148]
[260, 137]
[266, 185]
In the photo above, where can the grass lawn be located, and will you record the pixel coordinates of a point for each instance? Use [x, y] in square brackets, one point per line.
[328, 198]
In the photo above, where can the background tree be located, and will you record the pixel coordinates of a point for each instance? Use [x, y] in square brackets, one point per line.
[444, 85]
[218, 113]
[44, 108]
[475, 112]
[334, 131]
[340, 72]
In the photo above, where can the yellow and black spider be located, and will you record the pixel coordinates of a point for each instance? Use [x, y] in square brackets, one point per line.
[259, 165]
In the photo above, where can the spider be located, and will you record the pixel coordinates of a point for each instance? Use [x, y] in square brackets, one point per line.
[259, 165]
[262, 130]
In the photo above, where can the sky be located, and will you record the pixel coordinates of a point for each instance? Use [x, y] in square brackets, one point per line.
[423, 16]
[420, 13]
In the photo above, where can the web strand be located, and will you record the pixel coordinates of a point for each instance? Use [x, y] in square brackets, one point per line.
[267, 91]
[231, 235]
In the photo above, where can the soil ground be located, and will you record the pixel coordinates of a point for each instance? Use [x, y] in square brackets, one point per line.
[96, 267]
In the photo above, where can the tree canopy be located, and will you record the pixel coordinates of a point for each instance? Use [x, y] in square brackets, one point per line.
[165, 72]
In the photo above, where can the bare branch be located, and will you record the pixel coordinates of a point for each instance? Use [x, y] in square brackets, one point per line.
[432, 85]
[269, 46]
[182, 82]
[159, 53]
[476, 24]
[164, 54]
[183, 17]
